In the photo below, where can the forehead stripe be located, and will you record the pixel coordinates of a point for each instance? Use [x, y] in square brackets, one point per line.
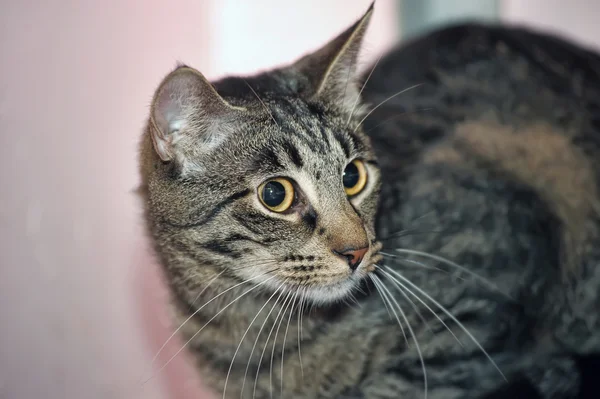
[268, 159]
[293, 154]
[344, 143]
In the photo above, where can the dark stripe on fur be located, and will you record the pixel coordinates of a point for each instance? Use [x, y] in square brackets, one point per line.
[293, 154]
[324, 136]
[220, 248]
[318, 111]
[244, 222]
[267, 161]
[250, 220]
[300, 128]
[344, 143]
[240, 237]
[310, 219]
[213, 213]
[356, 142]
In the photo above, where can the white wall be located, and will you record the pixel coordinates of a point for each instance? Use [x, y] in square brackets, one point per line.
[76, 80]
[576, 20]
[418, 17]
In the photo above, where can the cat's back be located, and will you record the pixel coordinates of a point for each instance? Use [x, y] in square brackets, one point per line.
[487, 58]
[496, 151]
[473, 71]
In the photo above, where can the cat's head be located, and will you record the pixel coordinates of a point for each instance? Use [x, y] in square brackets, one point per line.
[268, 178]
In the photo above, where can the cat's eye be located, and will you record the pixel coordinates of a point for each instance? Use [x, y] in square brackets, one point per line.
[354, 177]
[277, 194]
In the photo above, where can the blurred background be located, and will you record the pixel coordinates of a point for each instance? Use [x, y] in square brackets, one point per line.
[76, 79]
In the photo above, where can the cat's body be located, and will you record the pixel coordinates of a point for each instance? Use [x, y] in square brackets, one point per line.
[499, 150]
[490, 163]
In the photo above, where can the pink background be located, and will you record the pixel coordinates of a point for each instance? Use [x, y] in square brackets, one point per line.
[76, 80]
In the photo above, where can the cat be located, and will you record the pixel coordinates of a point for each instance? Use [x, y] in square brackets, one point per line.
[429, 228]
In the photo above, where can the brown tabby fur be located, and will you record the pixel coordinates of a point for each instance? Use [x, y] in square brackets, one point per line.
[490, 166]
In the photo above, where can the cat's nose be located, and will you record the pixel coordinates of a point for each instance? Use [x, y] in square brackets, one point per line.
[352, 255]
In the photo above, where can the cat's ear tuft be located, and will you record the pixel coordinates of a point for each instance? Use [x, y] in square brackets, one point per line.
[187, 113]
[332, 70]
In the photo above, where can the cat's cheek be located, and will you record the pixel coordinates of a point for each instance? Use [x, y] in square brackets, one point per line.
[179, 379]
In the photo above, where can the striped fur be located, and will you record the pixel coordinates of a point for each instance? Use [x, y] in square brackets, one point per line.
[491, 163]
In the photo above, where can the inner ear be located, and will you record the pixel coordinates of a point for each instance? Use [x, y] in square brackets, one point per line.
[188, 113]
[332, 70]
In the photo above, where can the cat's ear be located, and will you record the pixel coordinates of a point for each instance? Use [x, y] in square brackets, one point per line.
[188, 115]
[332, 70]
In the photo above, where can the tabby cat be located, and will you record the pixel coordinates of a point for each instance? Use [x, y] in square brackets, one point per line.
[428, 229]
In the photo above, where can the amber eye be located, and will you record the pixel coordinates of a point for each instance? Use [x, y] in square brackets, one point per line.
[354, 177]
[276, 194]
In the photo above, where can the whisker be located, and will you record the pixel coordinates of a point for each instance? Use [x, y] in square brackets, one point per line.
[383, 102]
[199, 309]
[455, 265]
[379, 286]
[424, 215]
[244, 336]
[246, 266]
[290, 297]
[210, 320]
[401, 287]
[412, 262]
[360, 289]
[285, 336]
[301, 311]
[451, 316]
[362, 88]
[267, 342]
[261, 101]
[351, 300]
[410, 232]
[410, 301]
[258, 337]
[412, 333]
[355, 300]
[385, 303]
[396, 117]
[212, 280]
[403, 232]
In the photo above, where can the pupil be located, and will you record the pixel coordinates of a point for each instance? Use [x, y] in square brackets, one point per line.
[351, 175]
[273, 193]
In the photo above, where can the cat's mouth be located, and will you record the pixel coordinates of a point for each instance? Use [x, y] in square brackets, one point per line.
[335, 287]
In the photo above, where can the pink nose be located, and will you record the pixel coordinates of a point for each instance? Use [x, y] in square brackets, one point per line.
[352, 255]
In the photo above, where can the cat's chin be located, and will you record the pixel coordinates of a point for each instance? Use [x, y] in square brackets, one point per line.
[327, 294]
